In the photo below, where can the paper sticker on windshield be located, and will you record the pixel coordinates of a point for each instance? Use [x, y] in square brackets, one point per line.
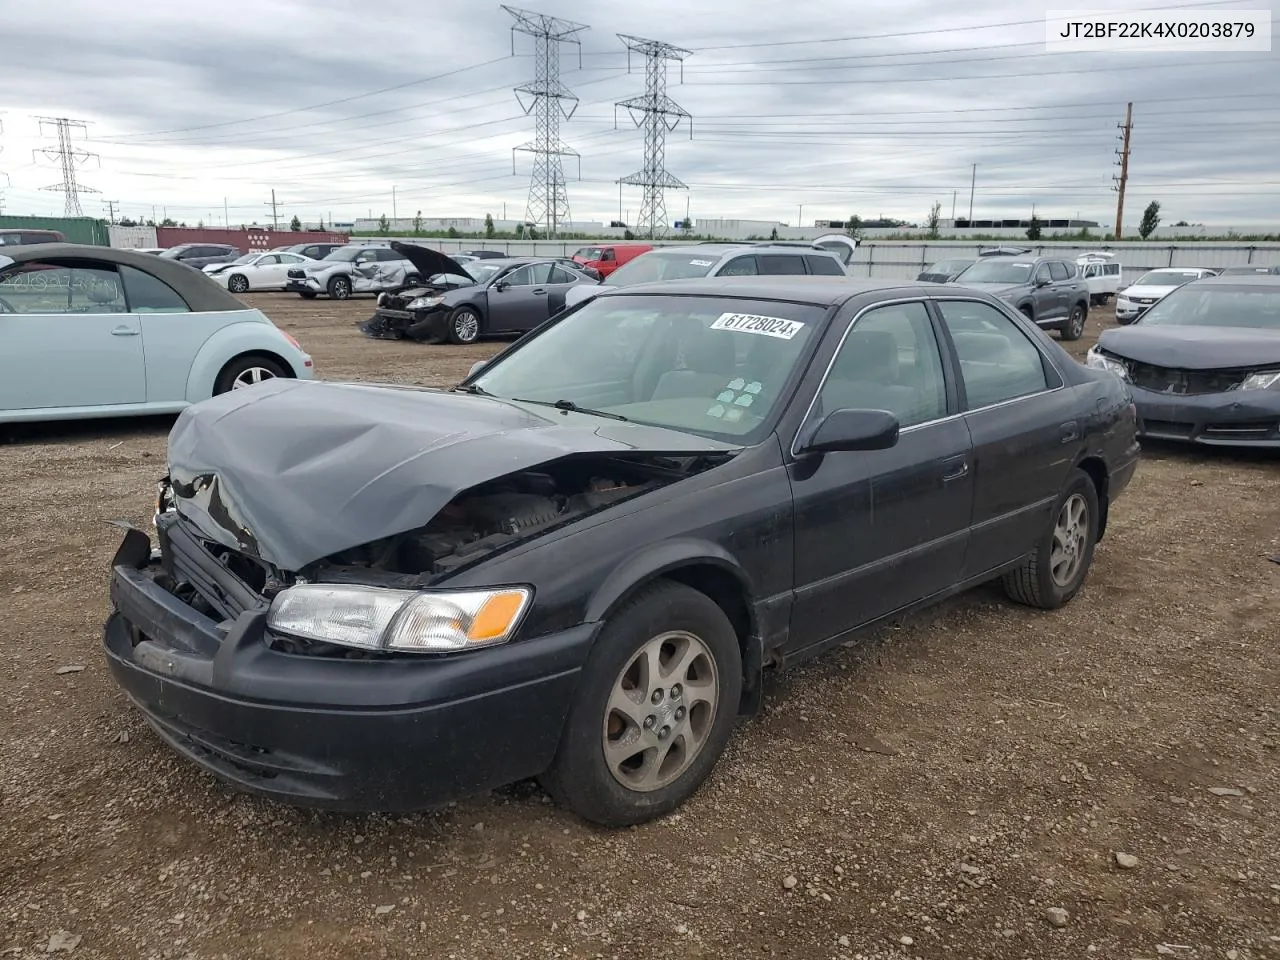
[716, 411]
[702, 263]
[765, 326]
[753, 386]
[727, 396]
[735, 384]
[734, 414]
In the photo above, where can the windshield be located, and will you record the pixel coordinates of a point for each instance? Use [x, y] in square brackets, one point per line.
[589, 253]
[247, 258]
[949, 266]
[652, 266]
[480, 270]
[173, 252]
[996, 271]
[1217, 307]
[716, 367]
[1171, 278]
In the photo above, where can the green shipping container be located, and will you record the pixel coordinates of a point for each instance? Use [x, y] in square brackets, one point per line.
[75, 229]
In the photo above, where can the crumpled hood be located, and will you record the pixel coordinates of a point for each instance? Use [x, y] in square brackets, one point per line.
[1194, 348]
[294, 471]
[428, 262]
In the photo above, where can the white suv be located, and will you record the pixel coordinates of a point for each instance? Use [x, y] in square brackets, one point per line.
[773, 258]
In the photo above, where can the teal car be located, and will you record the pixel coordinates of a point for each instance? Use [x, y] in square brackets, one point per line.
[90, 331]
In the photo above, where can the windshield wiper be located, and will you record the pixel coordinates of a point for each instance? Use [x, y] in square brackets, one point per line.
[472, 388]
[572, 407]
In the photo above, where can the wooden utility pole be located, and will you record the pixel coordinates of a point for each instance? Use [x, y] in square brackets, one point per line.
[1126, 129]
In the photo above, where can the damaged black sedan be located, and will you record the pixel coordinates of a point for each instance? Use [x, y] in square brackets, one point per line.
[578, 564]
[491, 297]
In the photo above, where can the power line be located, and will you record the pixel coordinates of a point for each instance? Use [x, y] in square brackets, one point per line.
[69, 158]
[659, 115]
[547, 100]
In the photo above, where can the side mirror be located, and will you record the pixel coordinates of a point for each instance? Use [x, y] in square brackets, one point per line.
[500, 285]
[476, 368]
[1042, 281]
[843, 430]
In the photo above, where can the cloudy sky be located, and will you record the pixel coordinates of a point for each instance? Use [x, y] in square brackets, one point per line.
[816, 111]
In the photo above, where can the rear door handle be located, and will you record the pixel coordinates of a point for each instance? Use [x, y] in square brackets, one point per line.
[1070, 431]
[539, 291]
[125, 332]
[956, 468]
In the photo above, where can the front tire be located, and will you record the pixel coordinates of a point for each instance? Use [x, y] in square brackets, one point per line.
[464, 326]
[246, 372]
[339, 288]
[656, 705]
[1056, 569]
[1074, 327]
[238, 283]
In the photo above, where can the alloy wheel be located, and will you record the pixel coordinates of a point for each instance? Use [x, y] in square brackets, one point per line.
[250, 377]
[467, 326]
[1070, 537]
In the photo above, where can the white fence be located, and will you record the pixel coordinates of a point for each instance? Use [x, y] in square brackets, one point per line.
[132, 238]
[902, 260]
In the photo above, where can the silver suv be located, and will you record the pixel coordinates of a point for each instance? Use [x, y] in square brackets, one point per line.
[770, 258]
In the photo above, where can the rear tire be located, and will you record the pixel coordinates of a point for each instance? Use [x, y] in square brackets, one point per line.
[611, 767]
[1056, 569]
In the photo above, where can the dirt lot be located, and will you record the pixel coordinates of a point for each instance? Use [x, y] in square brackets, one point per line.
[935, 791]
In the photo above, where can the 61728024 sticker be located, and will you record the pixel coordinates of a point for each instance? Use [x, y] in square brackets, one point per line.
[765, 326]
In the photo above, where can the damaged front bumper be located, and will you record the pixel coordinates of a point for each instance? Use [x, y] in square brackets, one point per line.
[424, 325]
[1241, 418]
[305, 285]
[385, 734]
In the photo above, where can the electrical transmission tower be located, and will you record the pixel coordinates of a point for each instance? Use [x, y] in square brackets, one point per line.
[659, 115]
[550, 101]
[70, 158]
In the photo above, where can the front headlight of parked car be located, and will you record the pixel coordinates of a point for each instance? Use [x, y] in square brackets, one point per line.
[408, 621]
[421, 303]
[1262, 380]
[1100, 361]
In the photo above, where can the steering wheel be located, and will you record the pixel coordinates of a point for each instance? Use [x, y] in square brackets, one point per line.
[6, 306]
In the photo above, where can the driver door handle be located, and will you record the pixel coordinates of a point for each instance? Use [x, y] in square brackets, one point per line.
[955, 468]
[125, 332]
[538, 291]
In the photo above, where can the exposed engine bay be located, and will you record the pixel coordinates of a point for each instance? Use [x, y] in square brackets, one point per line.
[501, 513]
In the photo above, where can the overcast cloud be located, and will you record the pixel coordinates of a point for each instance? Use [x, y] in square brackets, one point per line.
[189, 104]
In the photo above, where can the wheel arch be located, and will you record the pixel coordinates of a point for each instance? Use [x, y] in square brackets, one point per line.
[231, 343]
[1096, 469]
[710, 570]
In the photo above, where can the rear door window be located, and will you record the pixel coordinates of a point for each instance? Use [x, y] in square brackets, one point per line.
[823, 266]
[772, 264]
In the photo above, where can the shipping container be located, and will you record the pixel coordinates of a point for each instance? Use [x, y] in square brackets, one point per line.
[75, 229]
[246, 241]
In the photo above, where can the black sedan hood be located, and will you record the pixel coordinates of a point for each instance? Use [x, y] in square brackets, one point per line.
[1194, 348]
[428, 262]
[294, 471]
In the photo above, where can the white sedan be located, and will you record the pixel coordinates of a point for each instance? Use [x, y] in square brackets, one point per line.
[256, 271]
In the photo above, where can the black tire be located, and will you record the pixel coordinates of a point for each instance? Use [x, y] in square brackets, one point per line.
[339, 288]
[238, 283]
[411, 279]
[306, 294]
[1034, 584]
[1073, 329]
[240, 365]
[580, 778]
[464, 326]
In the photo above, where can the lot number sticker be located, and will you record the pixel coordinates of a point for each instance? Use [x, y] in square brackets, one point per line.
[765, 326]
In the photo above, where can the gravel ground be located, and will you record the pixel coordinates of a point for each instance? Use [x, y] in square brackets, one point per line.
[981, 781]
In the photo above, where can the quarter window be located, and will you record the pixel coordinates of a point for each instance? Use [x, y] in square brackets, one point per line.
[561, 275]
[889, 361]
[998, 361]
[147, 294]
[824, 266]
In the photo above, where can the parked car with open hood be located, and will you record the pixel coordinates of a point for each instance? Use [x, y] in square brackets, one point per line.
[256, 271]
[1204, 362]
[1049, 291]
[89, 331]
[355, 268]
[1133, 301]
[718, 260]
[944, 271]
[479, 299]
[578, 563]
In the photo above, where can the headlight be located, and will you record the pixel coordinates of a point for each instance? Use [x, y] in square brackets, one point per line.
[1100, 361]
[421, 303]
[1263, 380]
[374, 618]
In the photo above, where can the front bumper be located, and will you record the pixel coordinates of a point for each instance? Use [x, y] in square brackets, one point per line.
[1249, 418]
[389, 735]
[387, 324]
[305, 285]
[1128, 311]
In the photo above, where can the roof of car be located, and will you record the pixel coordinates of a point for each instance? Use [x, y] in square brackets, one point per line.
[1265, 281]
[201, 294]
[722, 248]
[817, 290]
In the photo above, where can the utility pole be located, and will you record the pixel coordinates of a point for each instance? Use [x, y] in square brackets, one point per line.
[659, 115]
[393, 202]
[111, 210]
[973, 182]
[953, 207]
[1126, 129]
[275, 219]
[800, 216]
[549, 101]
[69, 158]
[226, 214]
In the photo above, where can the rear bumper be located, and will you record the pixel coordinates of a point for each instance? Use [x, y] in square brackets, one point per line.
[358, 735]
[1235, 419]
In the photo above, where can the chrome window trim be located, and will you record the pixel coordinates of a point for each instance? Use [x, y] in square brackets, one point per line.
[951, 416]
